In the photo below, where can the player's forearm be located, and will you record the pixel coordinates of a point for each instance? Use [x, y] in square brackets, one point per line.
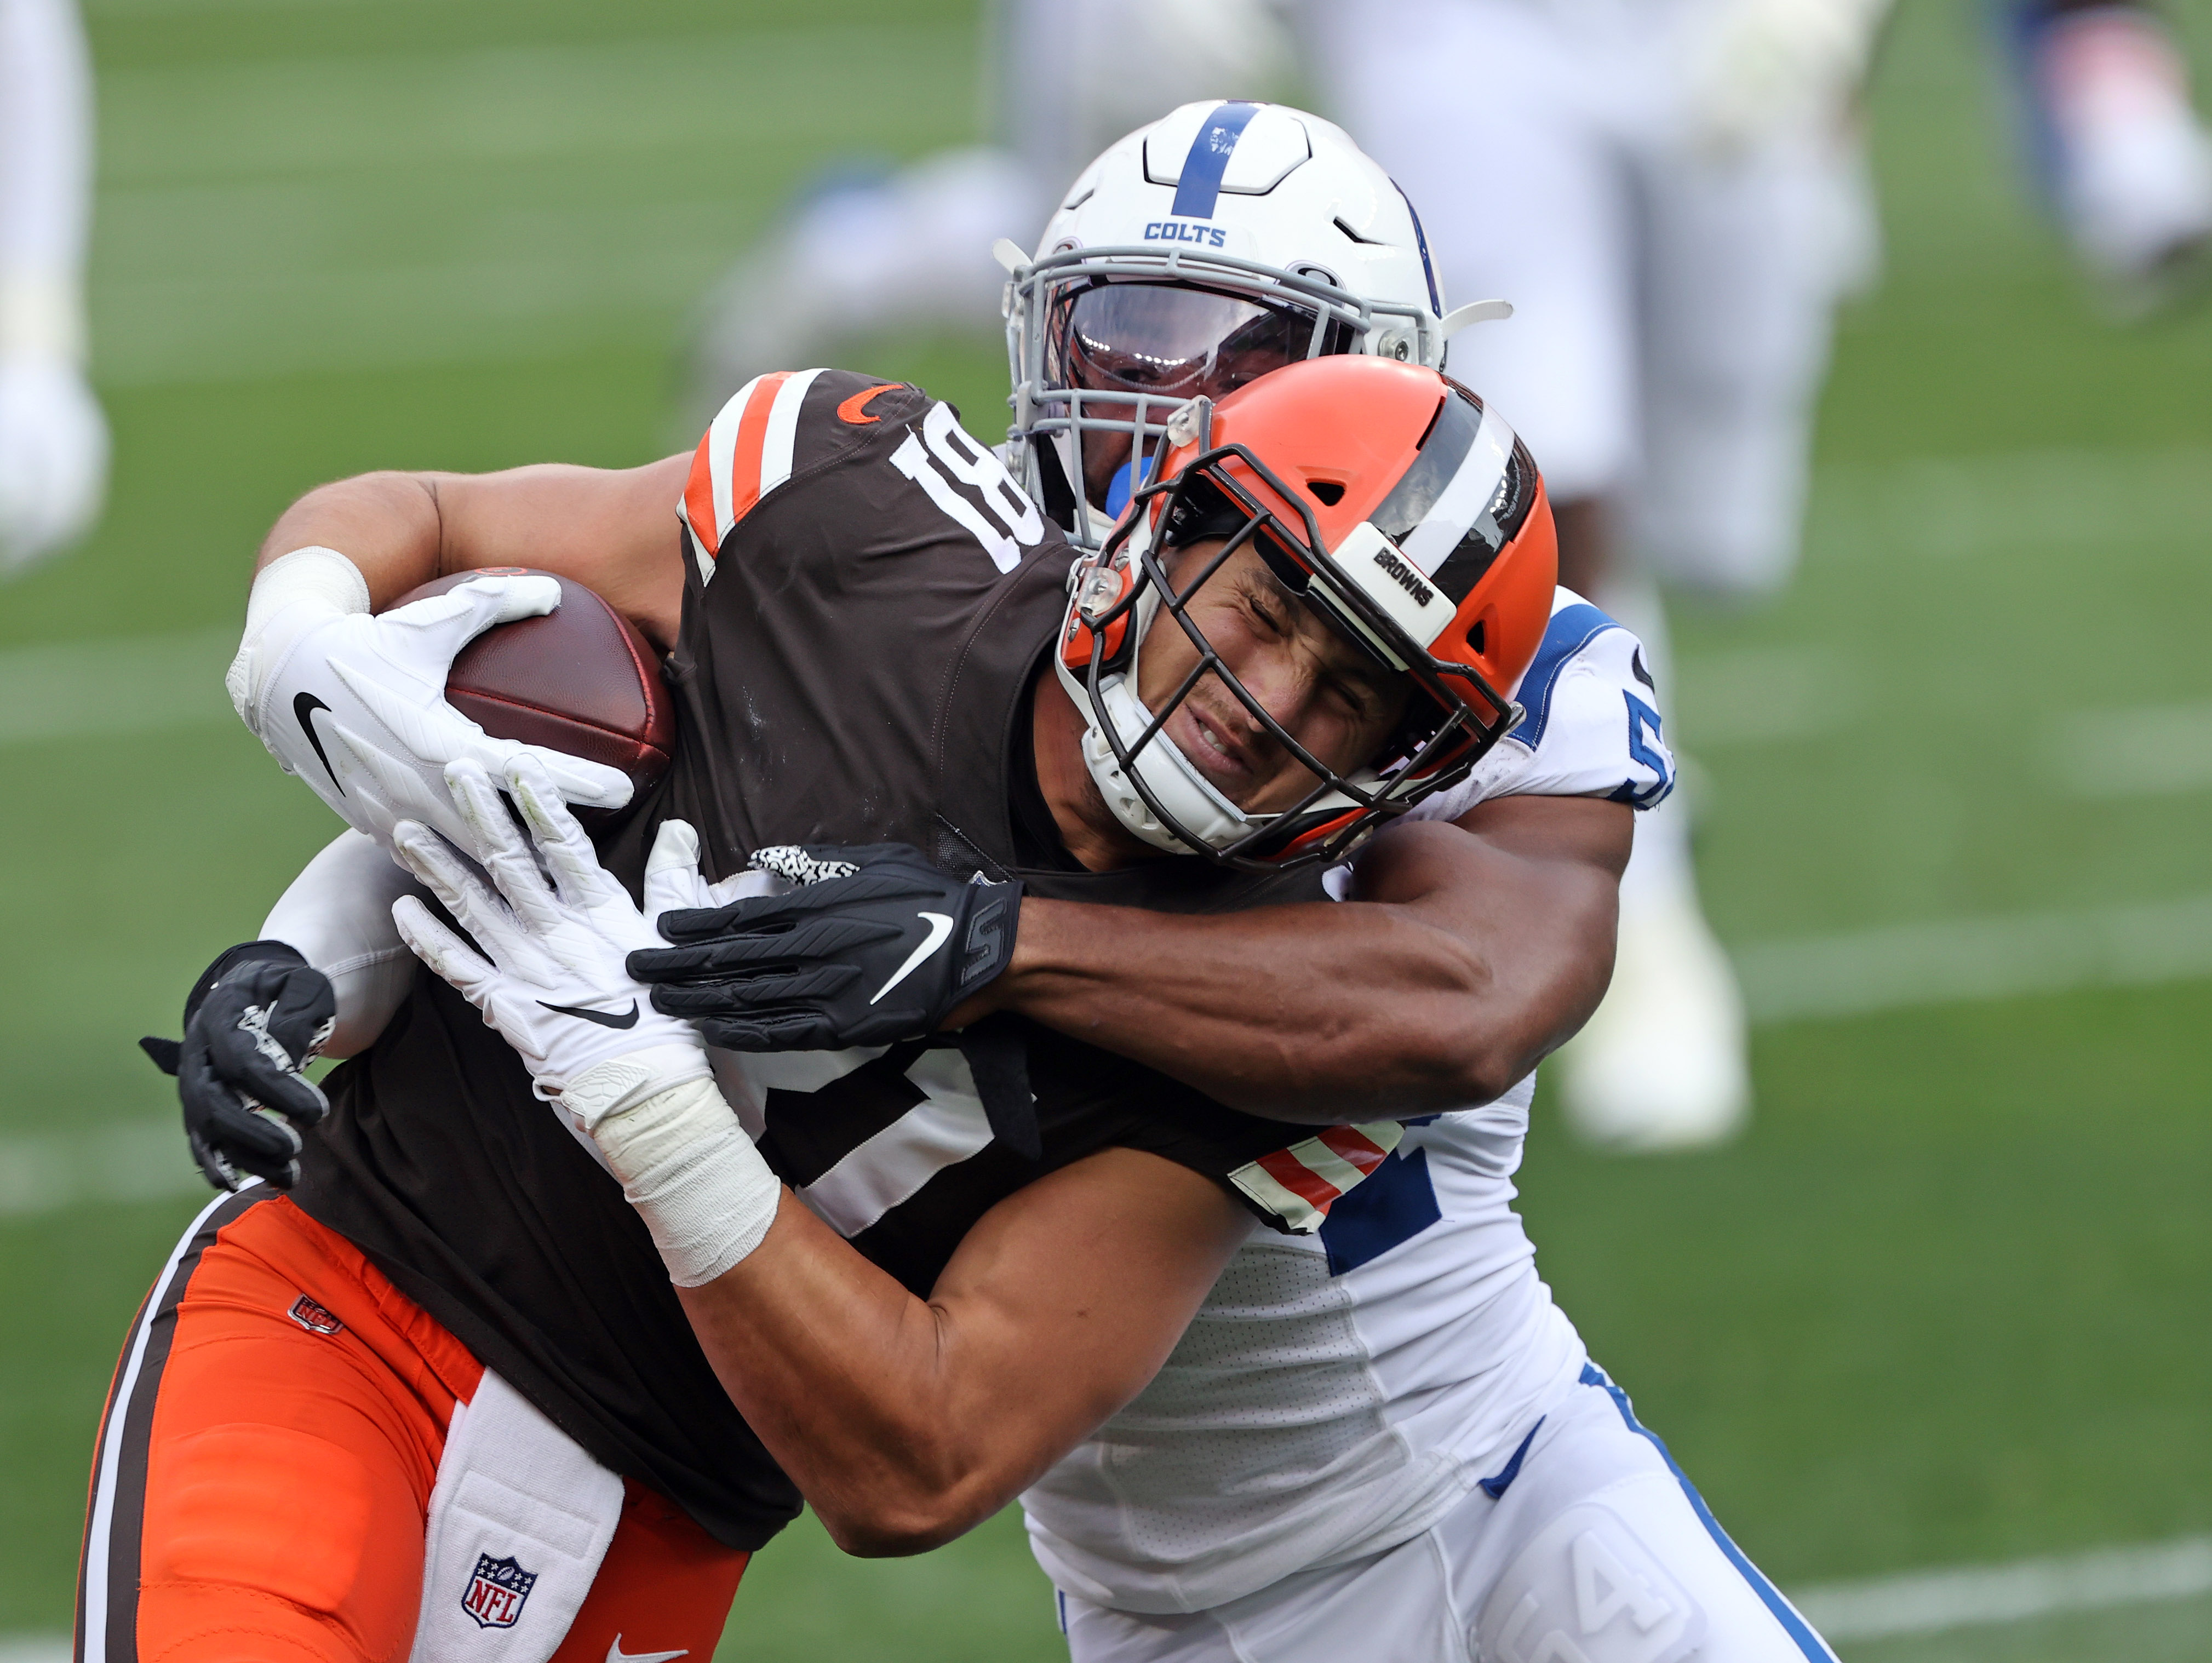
[904, 1422]
[1313, 1014]
[850, 1382]
[1469, 965]
[337, 913]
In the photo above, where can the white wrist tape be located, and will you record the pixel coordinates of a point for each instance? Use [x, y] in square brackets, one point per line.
[293, 592]
[707, 1197]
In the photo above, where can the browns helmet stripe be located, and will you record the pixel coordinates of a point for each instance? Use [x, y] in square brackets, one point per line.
[1448, 496]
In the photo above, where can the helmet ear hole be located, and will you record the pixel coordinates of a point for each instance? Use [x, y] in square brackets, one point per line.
[1330, 492]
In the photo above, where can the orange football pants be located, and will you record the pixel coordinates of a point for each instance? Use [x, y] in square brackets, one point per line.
[263, 1476]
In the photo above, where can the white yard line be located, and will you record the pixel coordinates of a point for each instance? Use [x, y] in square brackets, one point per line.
[1931, 1601]
[129, 1160]
[2151, 750]
[1863, 971]
[35, 1649]
[138, 684]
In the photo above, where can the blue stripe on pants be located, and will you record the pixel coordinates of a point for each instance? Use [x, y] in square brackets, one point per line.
[1796, 1626]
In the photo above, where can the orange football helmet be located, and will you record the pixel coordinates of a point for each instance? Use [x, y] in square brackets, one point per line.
[1392, 502]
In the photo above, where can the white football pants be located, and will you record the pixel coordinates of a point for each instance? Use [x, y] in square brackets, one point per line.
[1597, 1550]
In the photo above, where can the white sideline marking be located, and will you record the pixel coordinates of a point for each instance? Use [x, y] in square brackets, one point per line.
[1860, 972]
[131, 1160]
[1931, 1601]
[138, 684]
[35, 1649]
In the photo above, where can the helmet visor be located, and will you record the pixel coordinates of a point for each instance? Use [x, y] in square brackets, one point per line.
[1176, 342]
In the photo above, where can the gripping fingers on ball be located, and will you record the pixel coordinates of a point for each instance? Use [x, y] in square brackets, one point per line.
[587, 783]
[440, 625]
[378, 790]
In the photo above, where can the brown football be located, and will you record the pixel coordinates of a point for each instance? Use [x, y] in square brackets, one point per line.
[579, 680]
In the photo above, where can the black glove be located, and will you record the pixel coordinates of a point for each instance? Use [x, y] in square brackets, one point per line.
[876, 945]
[253, 1022]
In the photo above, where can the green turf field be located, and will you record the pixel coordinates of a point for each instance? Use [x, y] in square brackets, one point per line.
[1944, 1304]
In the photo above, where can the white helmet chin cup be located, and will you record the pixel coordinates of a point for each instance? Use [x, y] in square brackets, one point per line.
[1179, 788]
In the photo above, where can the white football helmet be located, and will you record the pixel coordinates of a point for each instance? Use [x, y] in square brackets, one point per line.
[1223, 241]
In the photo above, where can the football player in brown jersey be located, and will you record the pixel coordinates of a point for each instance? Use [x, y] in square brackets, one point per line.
[871, 639]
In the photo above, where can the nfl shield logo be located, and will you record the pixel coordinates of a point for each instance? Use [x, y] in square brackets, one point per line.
[496, 1592]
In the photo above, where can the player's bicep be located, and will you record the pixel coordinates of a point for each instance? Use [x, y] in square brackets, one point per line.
[1066, 1298]
[1592, 831]
[613, 530]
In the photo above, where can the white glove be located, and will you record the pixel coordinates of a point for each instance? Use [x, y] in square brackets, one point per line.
[53, 459]
[355, 703]
[551, 979]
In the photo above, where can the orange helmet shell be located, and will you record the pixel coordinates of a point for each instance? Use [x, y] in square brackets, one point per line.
[1464, 519]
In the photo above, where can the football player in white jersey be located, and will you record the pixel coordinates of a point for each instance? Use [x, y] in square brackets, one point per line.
[1384, 1439]
[53, 438]
[1392, 1405]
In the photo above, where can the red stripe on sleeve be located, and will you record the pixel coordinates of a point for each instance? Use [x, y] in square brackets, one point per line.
[1301, 1180]
[1355, 1146]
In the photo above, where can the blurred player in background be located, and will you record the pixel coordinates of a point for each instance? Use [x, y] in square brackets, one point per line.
[1672, 197]
[1675, 198]
[2121, 156]
[53, 440]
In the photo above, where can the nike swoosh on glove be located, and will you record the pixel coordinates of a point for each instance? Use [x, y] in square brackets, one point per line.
[874, 945]
[547, 966]
[252, 1023]
[354, 702]
[549, 978]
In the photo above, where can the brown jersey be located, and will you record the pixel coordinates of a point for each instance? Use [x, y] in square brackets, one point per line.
[869, 600]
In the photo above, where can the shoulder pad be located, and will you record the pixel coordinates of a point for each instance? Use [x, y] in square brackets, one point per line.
[1591, 726]
[774, 425]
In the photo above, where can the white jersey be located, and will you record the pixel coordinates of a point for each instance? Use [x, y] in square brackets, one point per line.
[1340, 1393]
